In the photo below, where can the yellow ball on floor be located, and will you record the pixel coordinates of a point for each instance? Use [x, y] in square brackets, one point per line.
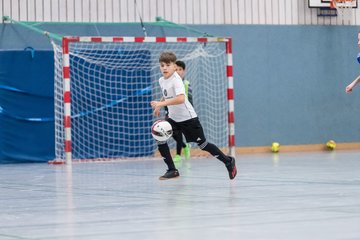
[275, 147]
[331, 144]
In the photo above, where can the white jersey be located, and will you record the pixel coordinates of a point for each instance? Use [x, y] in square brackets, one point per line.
[172, 87]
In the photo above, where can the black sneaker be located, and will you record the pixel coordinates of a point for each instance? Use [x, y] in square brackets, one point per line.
[232, 168]
[170, 174]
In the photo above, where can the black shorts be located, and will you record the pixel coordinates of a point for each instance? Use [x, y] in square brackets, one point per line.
[191, 129]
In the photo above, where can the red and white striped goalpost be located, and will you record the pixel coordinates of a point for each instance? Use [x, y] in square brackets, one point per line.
[67, 90]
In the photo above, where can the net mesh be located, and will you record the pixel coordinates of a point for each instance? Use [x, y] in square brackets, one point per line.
[112, 85]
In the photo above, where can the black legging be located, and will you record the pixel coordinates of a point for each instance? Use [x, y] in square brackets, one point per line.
[178, 137]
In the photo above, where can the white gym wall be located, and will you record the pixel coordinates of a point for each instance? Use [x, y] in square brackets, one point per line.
[288, 12]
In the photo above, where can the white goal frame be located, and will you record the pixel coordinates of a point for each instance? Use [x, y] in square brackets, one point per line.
[66, 71]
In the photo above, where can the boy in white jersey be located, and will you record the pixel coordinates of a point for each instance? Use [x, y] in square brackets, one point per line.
[182, 116]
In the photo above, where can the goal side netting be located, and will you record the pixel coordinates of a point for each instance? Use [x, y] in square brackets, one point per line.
[104, 85]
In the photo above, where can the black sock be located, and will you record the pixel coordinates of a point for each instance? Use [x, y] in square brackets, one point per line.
[216, 152]
[179, 142]
[165, 153]
[178, 149]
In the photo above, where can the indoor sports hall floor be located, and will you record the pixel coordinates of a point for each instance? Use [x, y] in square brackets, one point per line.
[282, 196]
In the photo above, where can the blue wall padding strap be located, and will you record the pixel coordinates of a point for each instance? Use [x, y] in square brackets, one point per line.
[11, 89]
[26, 106]
[28, 119]
[32, 51]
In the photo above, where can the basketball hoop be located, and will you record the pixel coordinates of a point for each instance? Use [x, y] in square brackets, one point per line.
[343, 7]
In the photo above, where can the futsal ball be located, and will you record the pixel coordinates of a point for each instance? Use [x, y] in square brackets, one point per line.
[161, 130]
[275, 147]
[331, 144]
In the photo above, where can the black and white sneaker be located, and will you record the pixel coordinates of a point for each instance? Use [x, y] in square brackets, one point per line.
[232, 168]
[170, 174]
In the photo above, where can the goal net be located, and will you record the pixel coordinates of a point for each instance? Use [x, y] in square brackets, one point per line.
[104, 85]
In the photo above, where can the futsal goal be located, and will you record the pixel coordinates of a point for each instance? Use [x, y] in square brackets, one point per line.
[104, 85]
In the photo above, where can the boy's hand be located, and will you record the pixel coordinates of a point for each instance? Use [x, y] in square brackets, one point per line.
[349, 88]
[156, 112]
[155, 104]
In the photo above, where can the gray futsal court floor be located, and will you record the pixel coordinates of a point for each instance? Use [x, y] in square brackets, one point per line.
[275, 196]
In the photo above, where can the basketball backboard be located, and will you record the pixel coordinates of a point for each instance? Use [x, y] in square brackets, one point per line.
[326, 4]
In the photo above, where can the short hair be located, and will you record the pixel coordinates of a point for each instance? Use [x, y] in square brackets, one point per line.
[167, 57]
[180, 64]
